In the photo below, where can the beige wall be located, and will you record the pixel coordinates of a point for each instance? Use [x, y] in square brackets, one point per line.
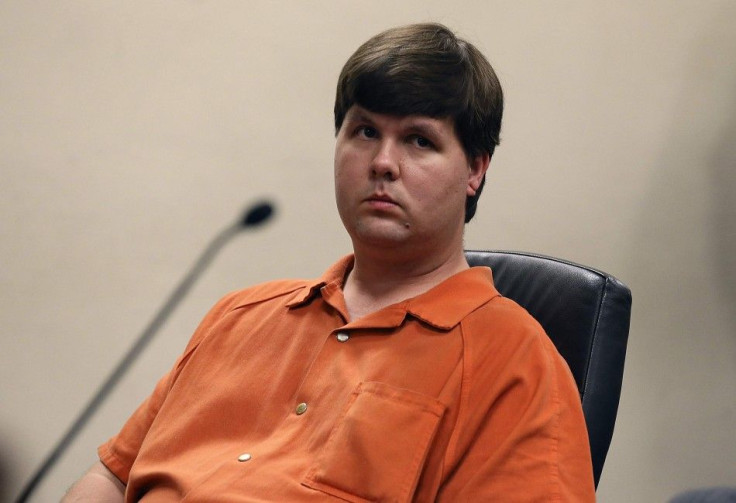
[132, 131]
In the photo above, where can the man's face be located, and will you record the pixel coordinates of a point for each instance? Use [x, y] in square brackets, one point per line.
[403, 180]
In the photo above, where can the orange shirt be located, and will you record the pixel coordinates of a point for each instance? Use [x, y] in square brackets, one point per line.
[454, 395]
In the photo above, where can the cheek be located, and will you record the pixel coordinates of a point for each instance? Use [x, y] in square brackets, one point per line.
[345, 179]
[445, 185]
[339, 172]
[345, 162]
[451, 193]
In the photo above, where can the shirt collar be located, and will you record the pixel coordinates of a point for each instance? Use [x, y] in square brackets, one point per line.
[442, 307]
[445, 305]
[328, 285]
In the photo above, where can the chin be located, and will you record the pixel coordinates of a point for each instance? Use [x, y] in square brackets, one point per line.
[382, 235]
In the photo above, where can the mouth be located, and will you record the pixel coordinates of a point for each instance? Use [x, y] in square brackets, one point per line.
[381, 202]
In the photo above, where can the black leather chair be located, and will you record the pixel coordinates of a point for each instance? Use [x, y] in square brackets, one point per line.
[586, 313]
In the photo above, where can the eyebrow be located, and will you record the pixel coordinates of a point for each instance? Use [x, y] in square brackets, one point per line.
[424, 128]
[416, 124]
[359, 116]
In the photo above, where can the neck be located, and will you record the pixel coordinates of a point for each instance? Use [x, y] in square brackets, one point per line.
[377, 282]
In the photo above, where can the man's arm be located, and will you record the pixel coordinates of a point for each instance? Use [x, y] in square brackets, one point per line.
[98, 484]
[523, 435]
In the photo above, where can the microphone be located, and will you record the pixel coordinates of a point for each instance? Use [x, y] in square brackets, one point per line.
[257, 214]
[254, 216]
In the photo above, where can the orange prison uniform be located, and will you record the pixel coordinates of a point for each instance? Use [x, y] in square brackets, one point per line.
[456, 395]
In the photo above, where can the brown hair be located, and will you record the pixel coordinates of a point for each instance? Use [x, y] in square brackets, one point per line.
[424, 69]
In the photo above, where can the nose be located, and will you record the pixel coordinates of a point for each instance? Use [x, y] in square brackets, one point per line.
[386, 161]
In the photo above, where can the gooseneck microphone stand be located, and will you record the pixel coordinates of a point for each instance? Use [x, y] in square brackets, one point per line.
[254, 216]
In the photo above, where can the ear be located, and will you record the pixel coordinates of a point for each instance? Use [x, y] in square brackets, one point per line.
[478, 167]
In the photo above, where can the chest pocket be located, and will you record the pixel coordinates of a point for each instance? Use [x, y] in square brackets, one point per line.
[378, 446]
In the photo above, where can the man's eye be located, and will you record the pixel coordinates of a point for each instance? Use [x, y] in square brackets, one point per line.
[367, 132]
[422, 142]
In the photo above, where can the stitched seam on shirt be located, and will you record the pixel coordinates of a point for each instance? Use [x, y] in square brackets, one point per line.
[426, 440]
[426, 403]
[111, 453]
[252, 300]
[426, 436]
[312, 474]
[463, 400]
[555, 464]
[333, 491]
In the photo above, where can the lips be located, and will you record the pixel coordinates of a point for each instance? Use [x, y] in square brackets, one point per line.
[381, 197]
[381, 201]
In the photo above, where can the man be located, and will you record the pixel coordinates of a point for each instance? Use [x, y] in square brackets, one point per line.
[399, 375]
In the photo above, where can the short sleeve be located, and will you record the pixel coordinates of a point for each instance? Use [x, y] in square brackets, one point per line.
[119, 453]
[521, 433]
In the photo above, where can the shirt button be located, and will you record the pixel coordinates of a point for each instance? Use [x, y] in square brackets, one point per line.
[301, 409]
[342, 337]
[244, 457]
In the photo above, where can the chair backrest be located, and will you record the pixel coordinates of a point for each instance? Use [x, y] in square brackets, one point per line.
[586, 313]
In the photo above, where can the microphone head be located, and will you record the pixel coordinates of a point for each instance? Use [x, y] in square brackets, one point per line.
[257, 214]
